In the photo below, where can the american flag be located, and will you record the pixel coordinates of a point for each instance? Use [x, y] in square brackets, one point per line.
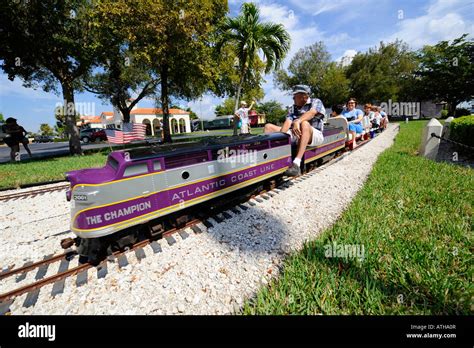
[130, 131]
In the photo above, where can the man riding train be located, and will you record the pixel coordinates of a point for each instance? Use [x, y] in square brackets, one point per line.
[304, 124]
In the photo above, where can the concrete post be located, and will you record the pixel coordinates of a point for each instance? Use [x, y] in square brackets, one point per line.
[447, 127]
[429, 145]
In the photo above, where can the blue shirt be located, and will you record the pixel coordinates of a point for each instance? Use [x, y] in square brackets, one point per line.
[352, 115]
[295, 112]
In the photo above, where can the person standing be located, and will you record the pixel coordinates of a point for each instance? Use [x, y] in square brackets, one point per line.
[16, 135]
[243, 115]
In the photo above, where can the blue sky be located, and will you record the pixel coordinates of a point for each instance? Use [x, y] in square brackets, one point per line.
[345, 26]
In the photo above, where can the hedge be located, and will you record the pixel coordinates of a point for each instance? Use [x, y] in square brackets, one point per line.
[462, 130]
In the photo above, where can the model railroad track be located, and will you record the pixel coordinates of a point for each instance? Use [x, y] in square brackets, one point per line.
[32, 193]
[219, 215]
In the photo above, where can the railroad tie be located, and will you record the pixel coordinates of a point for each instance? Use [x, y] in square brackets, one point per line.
[170, 240]
[140, 254]
[196, 229]
[259, 200]
[207, 223]
[183, 234]
[218, 219]
[5, 306]
[226, 215]
[31, 298]
[43, 269]
[81, 278]
[252, 203]
[23, 275]
[243, 207]
[267, 197]
[58, 287]
[271, 194]
[235, 211]
[102, 270]
[6, 270]
[156, 247]
[122, 261]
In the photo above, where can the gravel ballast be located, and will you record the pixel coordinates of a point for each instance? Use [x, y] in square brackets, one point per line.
[208, 273]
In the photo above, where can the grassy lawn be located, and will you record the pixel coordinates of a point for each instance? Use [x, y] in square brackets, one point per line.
[414, 220]
[21, 173]
[49, 169]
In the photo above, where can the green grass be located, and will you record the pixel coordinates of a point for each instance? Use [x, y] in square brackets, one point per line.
[35, 171]
[414, 219]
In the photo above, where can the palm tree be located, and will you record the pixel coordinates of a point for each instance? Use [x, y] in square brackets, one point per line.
[248, 36]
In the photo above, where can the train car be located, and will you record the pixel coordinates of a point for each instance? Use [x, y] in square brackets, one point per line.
[142, 184]
[335, 138]
[221, 122]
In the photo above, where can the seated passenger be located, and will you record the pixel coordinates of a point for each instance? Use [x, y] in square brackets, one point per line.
[337, 110]
[304, 124]
[354, 118]
[384, 122]
[368, 111]
[376, 117]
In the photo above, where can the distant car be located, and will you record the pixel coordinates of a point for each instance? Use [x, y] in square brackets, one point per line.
[43, 139]
[92, 134]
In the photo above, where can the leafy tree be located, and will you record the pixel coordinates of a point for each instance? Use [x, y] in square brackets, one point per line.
[446, 72]
[123, 57]
[60, 116]
[381, 73]
[247, 36]
[45, 43]
[1, 117]
[273, 110]
[312, 66]
[228, 77]
[181, 52]
[46, 129]
[192, 114]
[226, 108]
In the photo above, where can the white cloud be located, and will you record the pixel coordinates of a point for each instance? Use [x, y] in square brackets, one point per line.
[443, 21]
[317, 7]
[15, 89]
[347, 57]
[205, 106]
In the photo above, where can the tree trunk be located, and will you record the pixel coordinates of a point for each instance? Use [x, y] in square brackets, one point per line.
[126, 115]
[237, 99]
[70, 118]
[452, 107]
[165, 105]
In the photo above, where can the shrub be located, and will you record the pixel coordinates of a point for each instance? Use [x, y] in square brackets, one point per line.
[462, 130]
[444, 113]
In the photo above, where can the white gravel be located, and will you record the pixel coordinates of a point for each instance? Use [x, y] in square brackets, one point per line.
[208, 273]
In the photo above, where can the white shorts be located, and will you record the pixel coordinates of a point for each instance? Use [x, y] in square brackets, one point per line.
[244, 129]
[317, 139]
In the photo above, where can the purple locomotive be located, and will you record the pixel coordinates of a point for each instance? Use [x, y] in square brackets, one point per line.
[136, 186]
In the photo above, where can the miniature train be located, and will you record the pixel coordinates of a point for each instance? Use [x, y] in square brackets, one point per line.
[140, 185]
